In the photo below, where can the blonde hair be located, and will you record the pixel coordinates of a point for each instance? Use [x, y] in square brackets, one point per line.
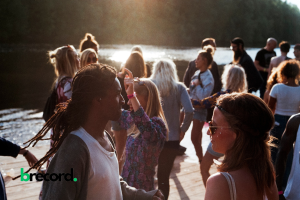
[64, 60]
[153, 108]
[85, 55]
[234, 78]
[165, 76]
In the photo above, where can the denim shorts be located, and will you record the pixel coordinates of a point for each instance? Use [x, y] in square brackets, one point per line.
[212, 152]
[200, 115]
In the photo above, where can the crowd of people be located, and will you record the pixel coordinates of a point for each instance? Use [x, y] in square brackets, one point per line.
[114, 128]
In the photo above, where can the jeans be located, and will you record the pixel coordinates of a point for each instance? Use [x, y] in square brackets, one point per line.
[277, 132]
[165, 164]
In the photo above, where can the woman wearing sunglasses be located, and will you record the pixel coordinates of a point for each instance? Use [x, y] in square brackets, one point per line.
[146, 125]
[87, 57]
[233, 80]
[174, 95]
[240, 130]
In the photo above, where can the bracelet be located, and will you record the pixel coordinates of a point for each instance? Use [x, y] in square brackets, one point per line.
[131, 95]
[24, 154]
[280, 192]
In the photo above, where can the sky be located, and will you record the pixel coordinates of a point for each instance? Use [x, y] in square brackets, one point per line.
[296, 2]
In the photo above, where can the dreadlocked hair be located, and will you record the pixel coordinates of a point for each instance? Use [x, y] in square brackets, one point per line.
[91, 81]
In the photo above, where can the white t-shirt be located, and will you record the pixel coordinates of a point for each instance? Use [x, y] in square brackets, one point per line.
[288, 99]
[104, 182]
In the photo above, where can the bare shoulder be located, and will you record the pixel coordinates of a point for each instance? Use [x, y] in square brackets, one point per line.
[217, 187]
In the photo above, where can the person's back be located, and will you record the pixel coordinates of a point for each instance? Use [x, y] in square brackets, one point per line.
[173, 95]
[288, 99]
[171, 106]
[244, 183]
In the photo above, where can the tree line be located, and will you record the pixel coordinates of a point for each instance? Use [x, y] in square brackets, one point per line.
[156, 22]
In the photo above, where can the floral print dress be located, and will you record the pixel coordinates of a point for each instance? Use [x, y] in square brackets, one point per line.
[142, 152]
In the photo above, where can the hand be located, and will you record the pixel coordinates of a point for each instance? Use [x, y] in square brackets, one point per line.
[188, 90]
[181, 136]
[128, 82]
[158, 196]
[120, 75]
[196, 82]
[31, 159]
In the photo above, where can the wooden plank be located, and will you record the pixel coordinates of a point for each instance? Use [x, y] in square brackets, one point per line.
[185, 179]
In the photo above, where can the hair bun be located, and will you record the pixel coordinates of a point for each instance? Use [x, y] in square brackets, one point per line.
[209, 49]
[89, 36]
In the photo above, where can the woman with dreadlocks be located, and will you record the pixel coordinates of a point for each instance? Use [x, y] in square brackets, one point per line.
[82, 146]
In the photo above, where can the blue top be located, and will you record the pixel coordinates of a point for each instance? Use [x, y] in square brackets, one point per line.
[171, 106]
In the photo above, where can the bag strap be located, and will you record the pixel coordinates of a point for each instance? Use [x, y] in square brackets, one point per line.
[200, 81]
[111, 142]
[55, 88]
[231, 185]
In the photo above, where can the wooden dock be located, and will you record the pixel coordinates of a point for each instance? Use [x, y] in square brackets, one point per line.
[185, 180]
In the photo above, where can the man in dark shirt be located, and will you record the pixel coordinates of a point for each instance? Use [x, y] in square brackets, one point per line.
[262, 62]
[190, 71]
[241, 57]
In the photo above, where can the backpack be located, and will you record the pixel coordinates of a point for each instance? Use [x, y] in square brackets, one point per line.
[51, 104]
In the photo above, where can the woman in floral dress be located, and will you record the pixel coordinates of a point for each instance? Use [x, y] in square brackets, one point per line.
[147, 125]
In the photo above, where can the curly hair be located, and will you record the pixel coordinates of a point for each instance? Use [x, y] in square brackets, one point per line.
[288, 69]
[91, 81]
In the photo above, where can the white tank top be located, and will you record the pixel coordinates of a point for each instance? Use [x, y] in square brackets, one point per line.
[292, 188]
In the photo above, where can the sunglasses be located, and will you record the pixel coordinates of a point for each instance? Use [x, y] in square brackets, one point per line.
[213, 128]
[94, 59]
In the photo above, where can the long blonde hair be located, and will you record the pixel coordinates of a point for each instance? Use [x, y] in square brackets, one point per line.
[64, 60]
[165, 76]
[85, 55]
[234, 78]
[153, 108]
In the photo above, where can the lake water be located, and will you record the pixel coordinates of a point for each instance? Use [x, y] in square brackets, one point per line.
[26, 78]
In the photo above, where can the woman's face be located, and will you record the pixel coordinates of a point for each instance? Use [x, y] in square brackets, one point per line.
[223, 138]
[92, 59]
[201, 63]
